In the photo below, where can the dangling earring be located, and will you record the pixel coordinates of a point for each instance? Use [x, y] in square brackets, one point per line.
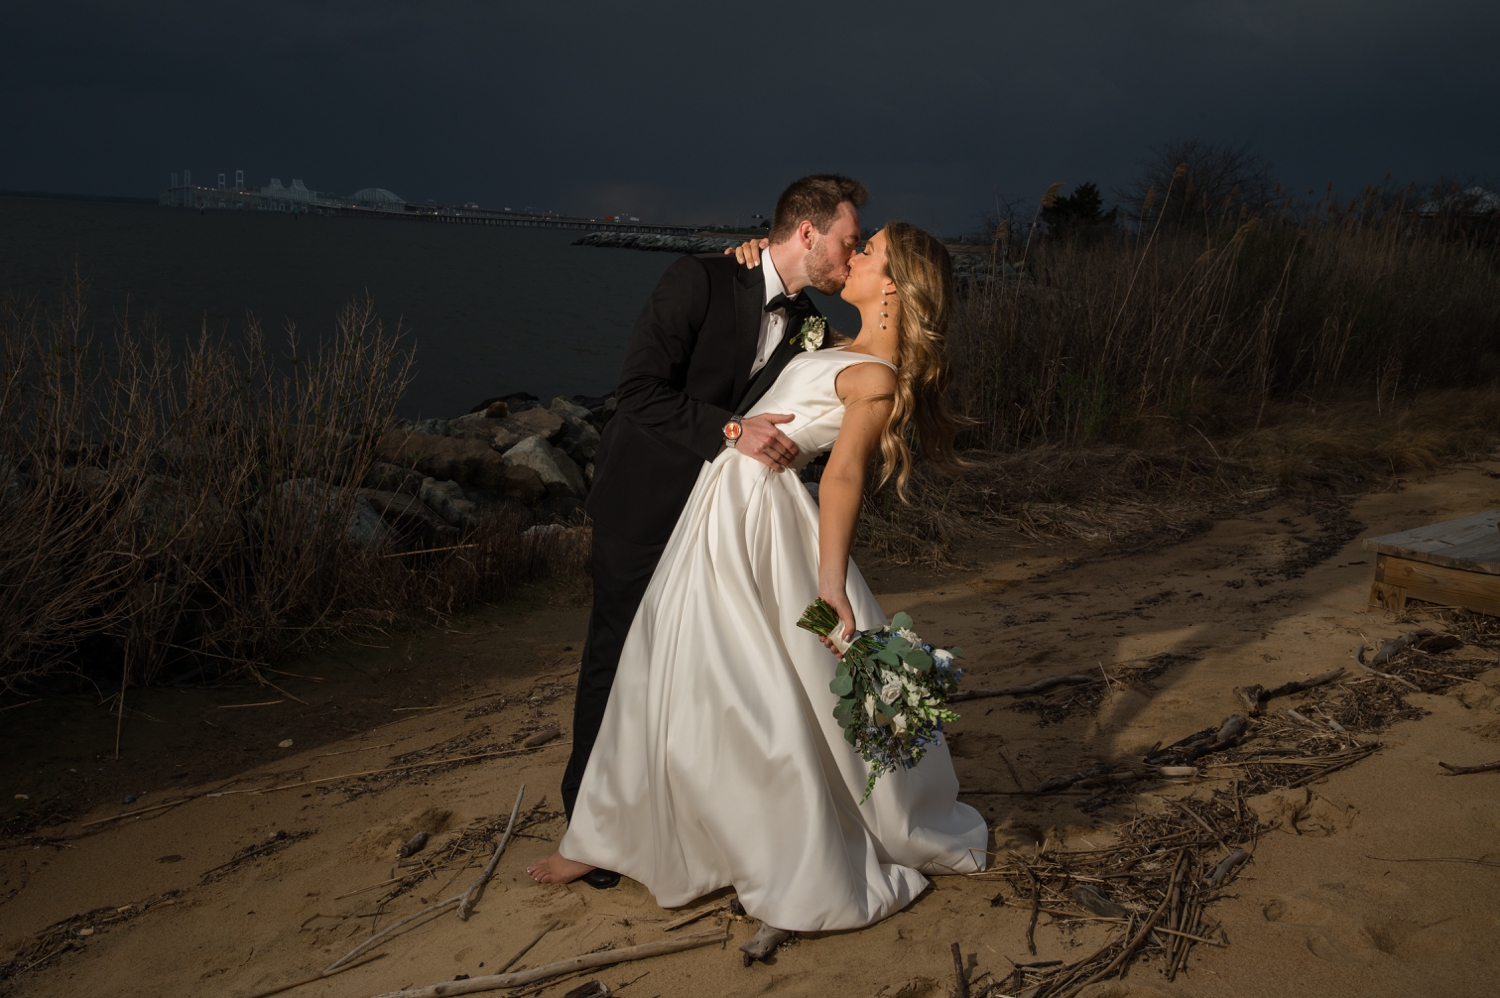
[882, 314]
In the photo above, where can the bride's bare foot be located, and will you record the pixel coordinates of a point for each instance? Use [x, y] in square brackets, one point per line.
[557, 869]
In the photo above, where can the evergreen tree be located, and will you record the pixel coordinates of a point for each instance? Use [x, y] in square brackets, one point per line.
[1080, 214]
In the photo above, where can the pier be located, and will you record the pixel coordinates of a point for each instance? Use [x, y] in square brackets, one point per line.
[301, 201]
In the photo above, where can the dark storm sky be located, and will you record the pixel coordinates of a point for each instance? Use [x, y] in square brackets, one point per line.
[701, 111]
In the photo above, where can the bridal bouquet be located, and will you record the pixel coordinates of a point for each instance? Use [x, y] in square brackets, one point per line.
[893, 690]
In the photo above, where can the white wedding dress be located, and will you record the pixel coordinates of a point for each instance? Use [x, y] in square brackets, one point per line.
[719, 762]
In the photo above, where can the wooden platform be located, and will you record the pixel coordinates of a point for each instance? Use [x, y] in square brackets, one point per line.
[1456, 563]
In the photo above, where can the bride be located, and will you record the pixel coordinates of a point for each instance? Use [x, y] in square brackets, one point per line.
[719, 762]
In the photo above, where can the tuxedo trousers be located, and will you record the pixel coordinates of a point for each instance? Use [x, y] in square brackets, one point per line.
[622, 570]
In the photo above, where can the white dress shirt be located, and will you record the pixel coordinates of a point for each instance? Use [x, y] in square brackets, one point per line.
[772, 324]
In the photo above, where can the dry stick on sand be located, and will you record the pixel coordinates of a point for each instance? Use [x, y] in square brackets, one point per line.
[527, 948]
[1040, 686]
[1145, 930]
[958, 972]
[1036, 909]
[468, 897]
[588, 961]
[1489, 767]
[1254, 697]
[693, 916]
[318, 977]
[476, 889]
[430, 910]
[1437, 859]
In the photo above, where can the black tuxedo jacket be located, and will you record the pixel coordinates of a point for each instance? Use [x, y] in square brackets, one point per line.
[686, 371]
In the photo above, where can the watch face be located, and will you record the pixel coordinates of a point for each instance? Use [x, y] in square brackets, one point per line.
[731, 430]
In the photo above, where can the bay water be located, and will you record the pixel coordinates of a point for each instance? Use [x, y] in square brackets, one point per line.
[490, 310]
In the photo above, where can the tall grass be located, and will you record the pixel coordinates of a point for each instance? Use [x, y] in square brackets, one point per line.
[1123, 383]
[178, 510]
[1207, 326]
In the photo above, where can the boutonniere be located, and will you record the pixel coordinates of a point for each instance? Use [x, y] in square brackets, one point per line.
[810, 338]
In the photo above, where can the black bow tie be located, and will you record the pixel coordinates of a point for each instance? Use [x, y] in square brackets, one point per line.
[792, 306]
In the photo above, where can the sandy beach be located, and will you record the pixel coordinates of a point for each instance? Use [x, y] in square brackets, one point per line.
[276, 860]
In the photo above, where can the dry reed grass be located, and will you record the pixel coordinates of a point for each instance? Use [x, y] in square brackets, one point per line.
[1112, 387]
[193, 510]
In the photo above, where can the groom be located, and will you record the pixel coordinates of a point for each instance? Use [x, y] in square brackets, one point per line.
[708, 344]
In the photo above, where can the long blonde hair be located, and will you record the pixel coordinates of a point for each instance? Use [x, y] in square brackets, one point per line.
[920, 267]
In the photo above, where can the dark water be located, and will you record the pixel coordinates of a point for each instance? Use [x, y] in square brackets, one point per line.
[491, 310]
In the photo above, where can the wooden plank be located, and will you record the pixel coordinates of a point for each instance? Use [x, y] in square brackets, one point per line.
[1398, 579]
[1470, 544]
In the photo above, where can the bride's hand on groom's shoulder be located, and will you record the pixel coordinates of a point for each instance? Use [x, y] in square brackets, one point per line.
[748, 252]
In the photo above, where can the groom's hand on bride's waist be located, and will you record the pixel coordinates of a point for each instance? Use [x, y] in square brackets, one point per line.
[760, 439]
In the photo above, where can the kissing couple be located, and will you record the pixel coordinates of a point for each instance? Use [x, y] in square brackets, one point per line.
[705, 751]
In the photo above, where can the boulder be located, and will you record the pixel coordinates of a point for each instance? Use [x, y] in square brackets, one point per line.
[366, 529]
[410, 514]
[311, 501]
[163, 508]
[557, 471]
[455, 459]
[437, 427]
[537, 422]
[499, 433]
[466, 507]
[474, 426]
[569, 410]
[580, 441]
[385, 477]
[514, 402]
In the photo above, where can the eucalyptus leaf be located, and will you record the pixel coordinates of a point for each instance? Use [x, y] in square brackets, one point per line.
[843, 668]
[919, 660]
[842, 686]
[898, 645]
[849, 735]
[887, 656]
[901, 622]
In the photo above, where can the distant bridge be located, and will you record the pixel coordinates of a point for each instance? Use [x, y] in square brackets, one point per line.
[219, 199]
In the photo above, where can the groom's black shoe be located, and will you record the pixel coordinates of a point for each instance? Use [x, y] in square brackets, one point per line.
[601, 880]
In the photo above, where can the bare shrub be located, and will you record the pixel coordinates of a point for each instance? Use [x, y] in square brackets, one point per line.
[205, 508]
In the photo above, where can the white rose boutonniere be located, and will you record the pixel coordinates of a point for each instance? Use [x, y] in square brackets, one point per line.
[814, 328]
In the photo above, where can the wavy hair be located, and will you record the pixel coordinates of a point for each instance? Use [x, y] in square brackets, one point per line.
[920, 267]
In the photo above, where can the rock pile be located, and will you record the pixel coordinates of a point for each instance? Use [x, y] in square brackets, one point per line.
[660, 243]
[511, 455]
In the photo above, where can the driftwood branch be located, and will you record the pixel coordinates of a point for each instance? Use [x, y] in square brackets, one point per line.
[317, 977]
[471, 896]
[962, 987]
[1254, 697]
[1388, 651]
[588, 961]
[1040, 686]
[1205, 742]
[1227, 866]
[693, 916]
[1488, 767]
[527, 948]
[356, 951]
